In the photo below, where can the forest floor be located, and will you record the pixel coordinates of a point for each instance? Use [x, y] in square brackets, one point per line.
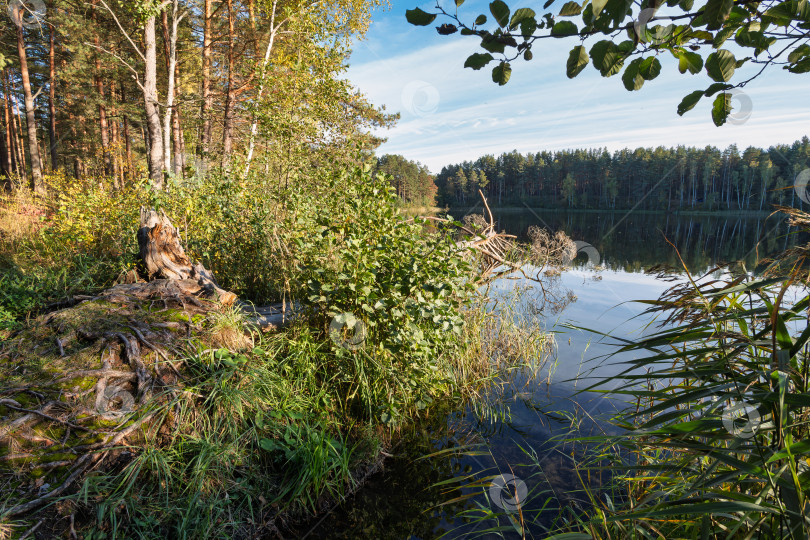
[88, 389]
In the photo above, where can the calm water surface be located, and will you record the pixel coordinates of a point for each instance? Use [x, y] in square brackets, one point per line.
[419, 497]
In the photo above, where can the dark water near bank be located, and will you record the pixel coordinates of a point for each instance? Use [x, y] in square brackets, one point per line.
[526, 429]
[633, 242]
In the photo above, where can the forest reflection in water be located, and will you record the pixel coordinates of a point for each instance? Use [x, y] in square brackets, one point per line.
[528, 430]
[635, 241]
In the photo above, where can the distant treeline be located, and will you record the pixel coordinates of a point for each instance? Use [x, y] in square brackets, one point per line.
[644, 179]
[411, 180]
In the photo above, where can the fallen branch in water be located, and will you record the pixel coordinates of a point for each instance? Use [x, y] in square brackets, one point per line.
[503, 256]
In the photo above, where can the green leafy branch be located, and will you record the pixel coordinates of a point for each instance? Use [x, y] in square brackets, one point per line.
[688, 36]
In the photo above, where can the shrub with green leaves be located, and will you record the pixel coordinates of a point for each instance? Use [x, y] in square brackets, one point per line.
[390, 289]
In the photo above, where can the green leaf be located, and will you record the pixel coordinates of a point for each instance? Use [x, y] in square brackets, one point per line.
[626, 47]
[719, 507]
[714, 88]
[720, 65]
[795, 449]
[785, 13]
[649, 68]
[606, 57]
[501, 73]
[798, 53]
[528, 55]
[722, 36]
[417, 17]
[701, 35]
[548, 3]
[746, 38]
[755, 39]
[527, 27]
[481, 19]
[688, 103]
[500, 11]
[570, 9]
[721, 108]
[577, 60]
[631, 78]
[459, 2]
[598, 6]
[493, 44]
[689, 61]
[563, 29]
[686, 5]
[802, 66]
[478, 60]
[269, 445]
[716, 12]
[615, 11]
[519, 16]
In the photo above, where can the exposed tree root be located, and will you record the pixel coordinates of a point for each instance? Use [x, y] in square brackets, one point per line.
[90, 393]
[80, 382]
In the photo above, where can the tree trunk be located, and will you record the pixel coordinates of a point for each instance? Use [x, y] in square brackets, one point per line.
[116, 139]
[10, 159]
[5, 168]
[102, 110]
[167, 115]
[254, 126]
[127, 143]
[103, 126]
[52, 99]
[22, 168]
[33, 147]
[154, 148]
[207, 97]
[171, 124]
[227, 129]
[178, 141]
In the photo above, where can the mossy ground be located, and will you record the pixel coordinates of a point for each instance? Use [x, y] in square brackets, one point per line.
[57, 371]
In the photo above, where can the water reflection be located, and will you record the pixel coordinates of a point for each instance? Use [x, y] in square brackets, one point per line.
[634, 242]
[528, 430]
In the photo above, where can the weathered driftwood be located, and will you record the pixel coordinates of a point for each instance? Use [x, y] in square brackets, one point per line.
[164, 257]
[272, 317]
[483, 239]
[71, 381]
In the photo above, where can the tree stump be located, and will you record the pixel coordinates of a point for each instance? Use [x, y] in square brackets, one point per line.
[164, 257]
[78, 386]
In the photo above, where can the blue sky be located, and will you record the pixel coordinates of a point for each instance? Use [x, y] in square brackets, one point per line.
[451, 114]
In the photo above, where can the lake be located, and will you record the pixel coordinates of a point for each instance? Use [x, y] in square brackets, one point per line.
[525, 427]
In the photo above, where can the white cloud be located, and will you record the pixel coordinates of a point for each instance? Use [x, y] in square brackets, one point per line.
[451, 114]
